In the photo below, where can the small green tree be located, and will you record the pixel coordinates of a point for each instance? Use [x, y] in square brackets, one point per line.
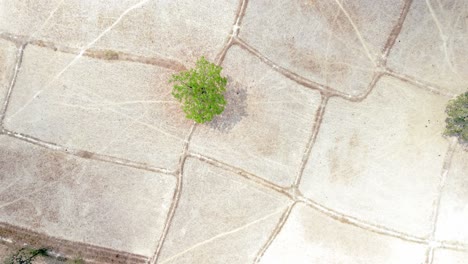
[201, 91]
[457, 120]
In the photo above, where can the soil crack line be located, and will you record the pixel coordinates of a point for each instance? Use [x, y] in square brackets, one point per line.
[19, 60]
[396, 31]
[436, 203]
[234, 32]
[311, 141]
[378, 229]
[175, 198]
[86, 154]
[274, 234]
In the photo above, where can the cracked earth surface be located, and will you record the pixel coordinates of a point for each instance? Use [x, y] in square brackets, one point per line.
[329, 151]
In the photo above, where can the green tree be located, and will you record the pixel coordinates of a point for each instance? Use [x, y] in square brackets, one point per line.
[25, 255]
[201, 91]
[457, 120]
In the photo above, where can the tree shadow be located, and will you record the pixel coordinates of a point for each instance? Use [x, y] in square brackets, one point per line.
[463, 144]
[235, 110]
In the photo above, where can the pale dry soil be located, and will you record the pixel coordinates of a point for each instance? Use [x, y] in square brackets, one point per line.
[330, 149]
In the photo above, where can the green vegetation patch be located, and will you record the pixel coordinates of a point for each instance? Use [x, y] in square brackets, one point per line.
[25, 255]
[201, 91]
[111, 55]
[457, 120]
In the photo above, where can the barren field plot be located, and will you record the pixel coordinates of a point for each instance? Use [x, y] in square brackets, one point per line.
[334, 44]
[18, 17]
[159, 28]
[235, 230]
[98, 106]
[363, 161]
[82, 200]
[267, 129]
[309, 237]
[442, 256]
[432, 45]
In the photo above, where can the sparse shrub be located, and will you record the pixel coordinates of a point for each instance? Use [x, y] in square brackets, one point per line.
[201, 91]
[25, 255]
[111, 55]
[457, 120]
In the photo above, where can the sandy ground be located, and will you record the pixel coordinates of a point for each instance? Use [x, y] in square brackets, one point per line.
[330, 149]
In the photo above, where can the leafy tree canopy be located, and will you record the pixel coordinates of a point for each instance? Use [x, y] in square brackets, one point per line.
[201, 91]
[457, 120]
